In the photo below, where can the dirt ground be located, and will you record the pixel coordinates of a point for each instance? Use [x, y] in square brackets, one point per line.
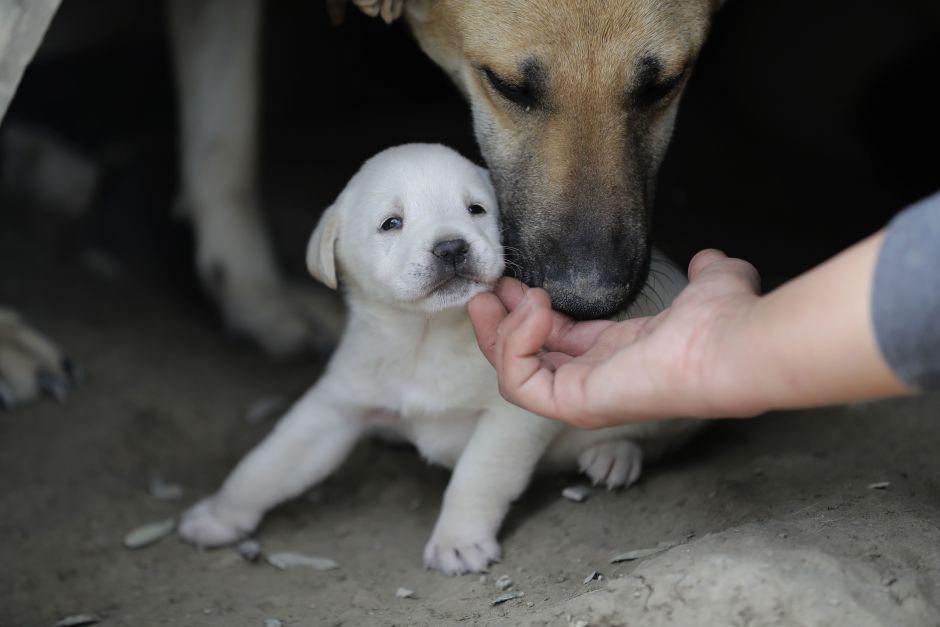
[771, 521]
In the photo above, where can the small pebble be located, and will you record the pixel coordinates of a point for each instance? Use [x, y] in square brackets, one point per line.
[580, 623]
[149, 534]
[289, 559]
[594, 575]
[165, 490]
[78, 620]
[405, 593]
[529, 604]
[577, 493]
[879, 485]
[249, 549]
[509, 596]
[504, 583]
[272, 622]
[637, 554]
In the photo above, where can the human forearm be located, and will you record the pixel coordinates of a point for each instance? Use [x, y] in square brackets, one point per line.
[811, 341]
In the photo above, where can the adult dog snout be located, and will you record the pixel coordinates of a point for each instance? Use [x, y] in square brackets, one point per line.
[451, 251]
[587, 300]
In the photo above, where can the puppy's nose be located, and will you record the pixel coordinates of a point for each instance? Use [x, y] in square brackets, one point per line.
[452, 250]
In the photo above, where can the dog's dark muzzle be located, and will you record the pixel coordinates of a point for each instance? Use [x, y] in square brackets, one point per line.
[588, 282]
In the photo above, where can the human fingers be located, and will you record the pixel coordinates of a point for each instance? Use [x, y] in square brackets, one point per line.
[714, 263]
[572, 337]
[511, 291]
[525, 377]
[486, 313]
[703, 259]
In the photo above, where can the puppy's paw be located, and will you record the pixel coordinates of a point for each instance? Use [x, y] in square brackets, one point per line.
[208, 524]
[30, 364]
[458, 550]
[615, 463]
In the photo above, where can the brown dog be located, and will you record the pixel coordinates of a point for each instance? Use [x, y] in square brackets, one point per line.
[573, 106]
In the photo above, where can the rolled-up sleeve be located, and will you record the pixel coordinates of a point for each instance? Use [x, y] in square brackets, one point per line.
[905, 302]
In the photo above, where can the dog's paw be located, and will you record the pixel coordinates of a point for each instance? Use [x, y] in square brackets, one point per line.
[455, 550]
[615, 463]
[283, 320]
[390, 10]
[30, 364]
[207, 524]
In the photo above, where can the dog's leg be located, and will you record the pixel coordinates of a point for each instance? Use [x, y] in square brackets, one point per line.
[22, 27]
[29, 364]
[492, 472]
[216, 49]
[308, 444]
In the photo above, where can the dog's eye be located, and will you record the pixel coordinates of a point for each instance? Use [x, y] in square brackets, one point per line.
[651, 89]
[649, 95]
[522, 95]
[476, 209]
[392, 224]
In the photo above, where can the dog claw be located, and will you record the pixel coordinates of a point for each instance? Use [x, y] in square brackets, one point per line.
[73, 372]
[54, 385]
[32, 365]
[7, 399]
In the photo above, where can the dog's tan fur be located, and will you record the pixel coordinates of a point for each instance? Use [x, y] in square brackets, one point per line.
[575, 171]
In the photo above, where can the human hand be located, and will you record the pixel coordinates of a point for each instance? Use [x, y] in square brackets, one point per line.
[684, 361]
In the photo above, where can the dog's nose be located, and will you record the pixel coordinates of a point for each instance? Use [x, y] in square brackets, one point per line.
[452, 250]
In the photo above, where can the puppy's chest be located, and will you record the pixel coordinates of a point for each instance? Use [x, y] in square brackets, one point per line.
[437, 376]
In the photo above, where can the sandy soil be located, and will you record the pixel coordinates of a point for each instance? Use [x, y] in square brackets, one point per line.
[771, 521]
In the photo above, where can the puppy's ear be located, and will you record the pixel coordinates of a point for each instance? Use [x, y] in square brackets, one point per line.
[321, 249]
[485, 173]
[489, 179]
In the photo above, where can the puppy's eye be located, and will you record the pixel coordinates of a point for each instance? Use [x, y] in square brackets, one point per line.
[522, 94]
[392, 224]
[476, 209]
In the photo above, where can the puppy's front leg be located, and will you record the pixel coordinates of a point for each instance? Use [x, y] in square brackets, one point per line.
[492, 472]
[308, 444]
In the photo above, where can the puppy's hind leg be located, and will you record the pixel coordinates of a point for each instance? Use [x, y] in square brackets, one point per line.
[614, 463]
[308, 444]
[216, 49]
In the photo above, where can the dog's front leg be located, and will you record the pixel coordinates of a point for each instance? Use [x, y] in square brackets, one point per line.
[308, 444]
[216, 50]
[492, 472]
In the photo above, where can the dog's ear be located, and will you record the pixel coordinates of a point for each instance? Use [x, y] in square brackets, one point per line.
[321, 250]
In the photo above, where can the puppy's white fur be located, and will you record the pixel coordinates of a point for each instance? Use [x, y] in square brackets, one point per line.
[408, 363]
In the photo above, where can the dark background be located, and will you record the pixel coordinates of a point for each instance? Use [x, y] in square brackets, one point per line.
[806, 124]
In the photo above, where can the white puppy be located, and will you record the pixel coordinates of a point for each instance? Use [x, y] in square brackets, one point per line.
[411, 239]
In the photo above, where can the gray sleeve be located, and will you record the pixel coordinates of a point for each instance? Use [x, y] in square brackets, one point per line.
[905, 298]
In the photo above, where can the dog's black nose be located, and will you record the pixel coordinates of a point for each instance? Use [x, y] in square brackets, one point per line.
[452, 250]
